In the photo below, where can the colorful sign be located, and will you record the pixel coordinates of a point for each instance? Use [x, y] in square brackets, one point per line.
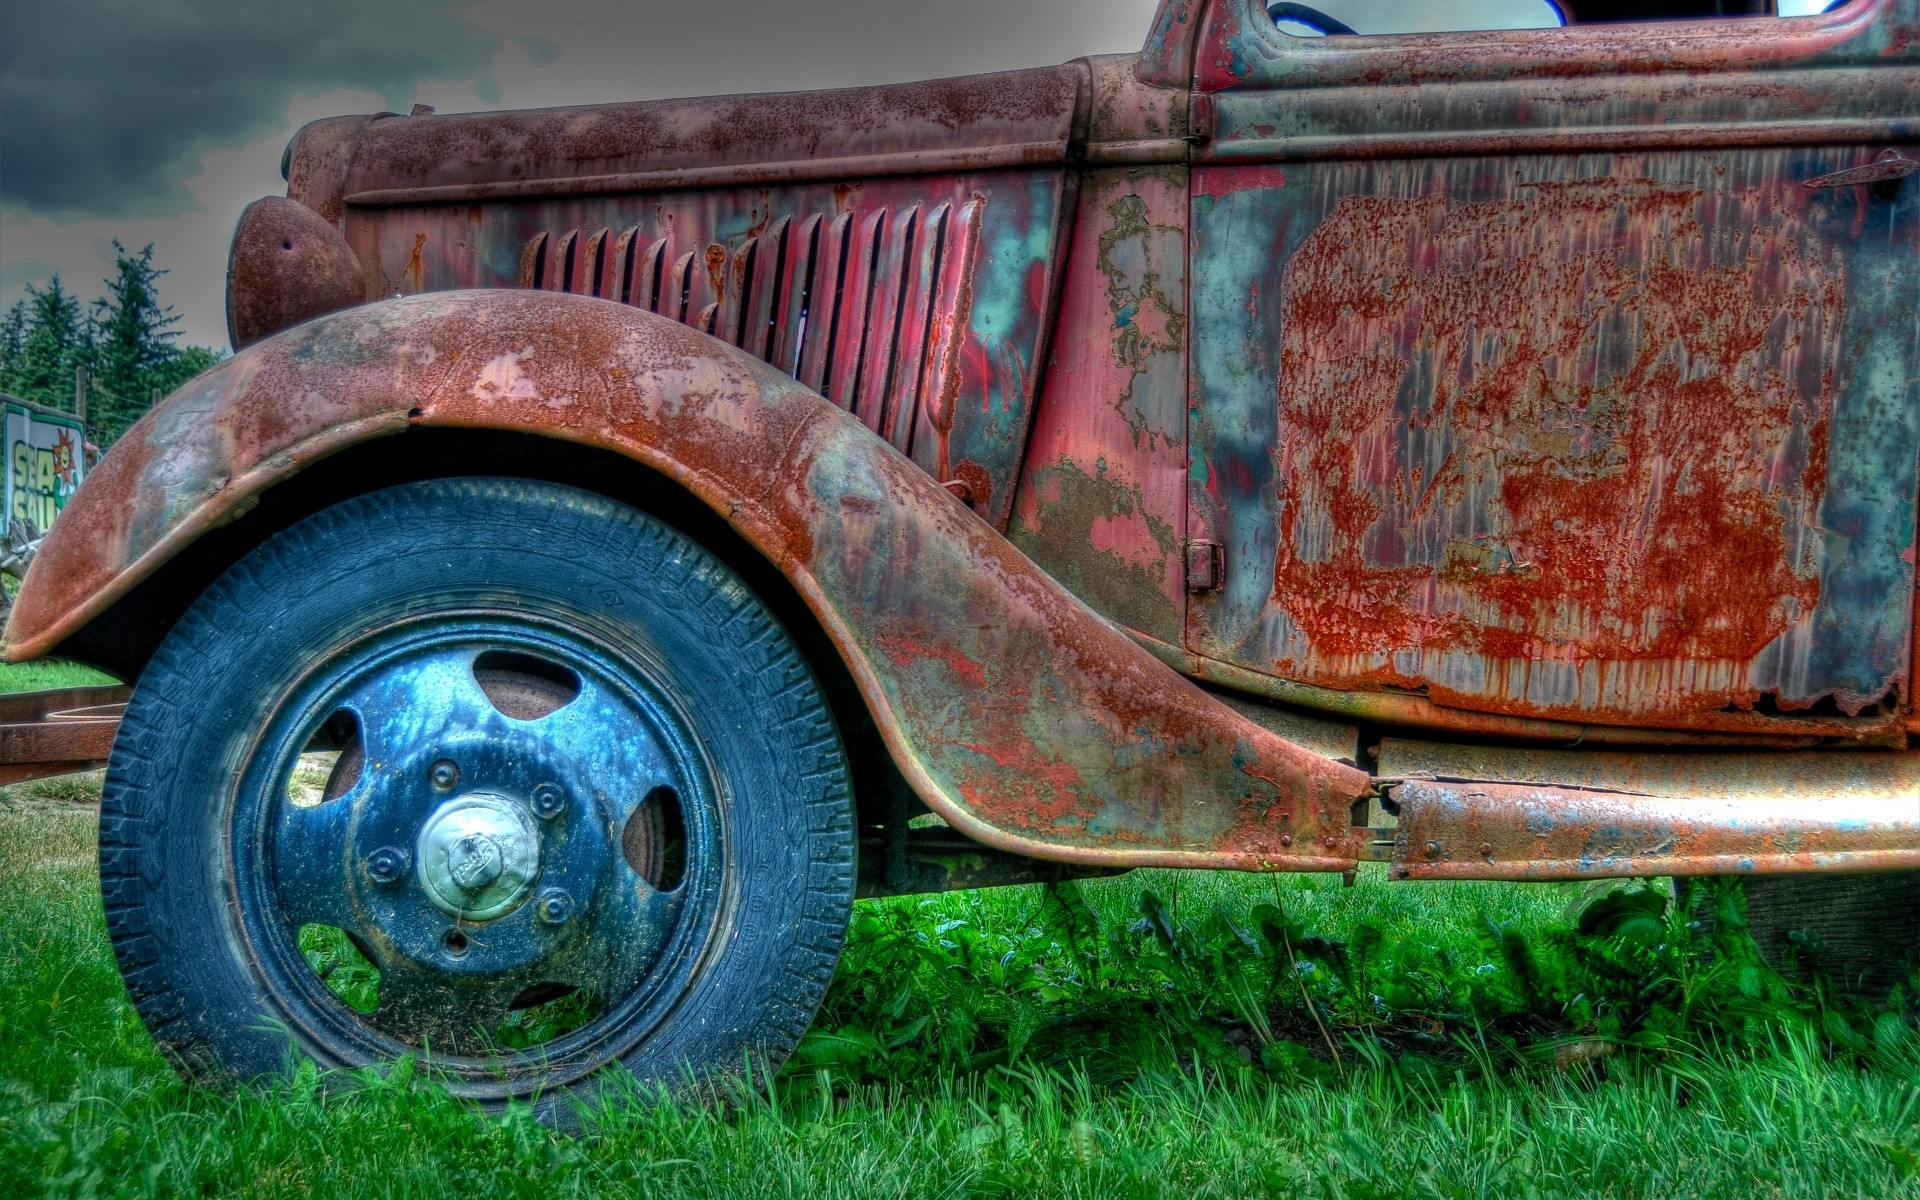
[45, 462]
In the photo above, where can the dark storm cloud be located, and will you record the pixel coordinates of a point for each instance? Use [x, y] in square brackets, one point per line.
[106, 105]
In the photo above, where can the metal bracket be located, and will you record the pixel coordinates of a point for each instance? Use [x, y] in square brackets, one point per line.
[1206, 566]
[1889, 168]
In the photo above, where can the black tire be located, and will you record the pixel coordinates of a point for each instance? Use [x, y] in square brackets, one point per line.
[742, 946]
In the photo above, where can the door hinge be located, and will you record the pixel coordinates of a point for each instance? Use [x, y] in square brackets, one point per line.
[1206, 566]
[1199, 119]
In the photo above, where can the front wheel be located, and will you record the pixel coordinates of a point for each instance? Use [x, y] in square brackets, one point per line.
[502, 773]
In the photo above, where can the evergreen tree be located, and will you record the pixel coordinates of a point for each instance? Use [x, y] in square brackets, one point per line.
[126, 340]
[51, 337]
[187, 362]
[13, 339]
[135, 348]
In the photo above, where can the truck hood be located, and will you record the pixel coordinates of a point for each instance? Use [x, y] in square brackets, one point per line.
[1005, 119]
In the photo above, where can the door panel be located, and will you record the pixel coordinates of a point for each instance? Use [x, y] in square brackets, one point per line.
[1624, 437]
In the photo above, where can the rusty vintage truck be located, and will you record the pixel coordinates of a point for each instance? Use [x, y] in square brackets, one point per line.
[627, 533]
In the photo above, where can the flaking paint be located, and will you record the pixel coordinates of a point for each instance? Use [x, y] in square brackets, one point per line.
[1616, 501]
[1102, 501]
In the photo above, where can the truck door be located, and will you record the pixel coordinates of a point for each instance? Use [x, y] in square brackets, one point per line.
[1562, 372]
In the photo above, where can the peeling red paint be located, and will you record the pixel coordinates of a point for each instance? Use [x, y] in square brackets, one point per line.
[1102, 501]
[1220, 183]
[905, 651]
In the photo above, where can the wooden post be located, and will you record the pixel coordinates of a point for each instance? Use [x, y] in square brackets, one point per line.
[80, 395]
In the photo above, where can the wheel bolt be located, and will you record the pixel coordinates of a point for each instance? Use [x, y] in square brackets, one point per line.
[549, 801]
[554, 906]
[387, 864]
[444, 774]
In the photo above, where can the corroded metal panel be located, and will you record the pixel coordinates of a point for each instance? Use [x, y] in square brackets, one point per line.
[1167, 57]
[1005, 119]
[1625, 438]
[58, 732]
[1015, 712]
[921, 301]
[1102, 498]
[1554, 84]
[1828, 780]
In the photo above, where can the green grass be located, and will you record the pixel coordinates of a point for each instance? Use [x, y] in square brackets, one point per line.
[1131, 1037]
[48, 673]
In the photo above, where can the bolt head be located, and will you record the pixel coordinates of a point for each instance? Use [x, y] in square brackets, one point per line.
[549, 801]
[387, 865]
[1433, 849]
[554, 906]
[444, 774]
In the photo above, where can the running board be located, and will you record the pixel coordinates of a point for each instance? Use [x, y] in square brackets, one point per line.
[58, 732]
[1479, 830]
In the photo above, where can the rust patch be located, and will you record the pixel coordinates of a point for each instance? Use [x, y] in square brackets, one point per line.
[286, 266]
[415, 271]
[978, 483]
[1626, 467]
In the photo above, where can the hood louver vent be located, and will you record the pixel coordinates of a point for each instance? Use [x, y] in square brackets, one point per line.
[865, 308]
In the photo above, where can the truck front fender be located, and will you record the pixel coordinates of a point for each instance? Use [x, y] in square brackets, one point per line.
[1018, 714]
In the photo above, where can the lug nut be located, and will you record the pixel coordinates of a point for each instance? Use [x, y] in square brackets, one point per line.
[549, 801]
[444, 774]
[387, 864]
[554, 906]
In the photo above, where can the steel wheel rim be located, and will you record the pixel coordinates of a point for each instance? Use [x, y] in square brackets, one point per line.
[605, 775]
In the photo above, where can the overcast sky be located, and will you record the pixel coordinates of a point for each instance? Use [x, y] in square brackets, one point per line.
[158, 120]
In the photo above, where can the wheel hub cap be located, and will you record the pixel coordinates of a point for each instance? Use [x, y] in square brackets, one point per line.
[478, 856]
